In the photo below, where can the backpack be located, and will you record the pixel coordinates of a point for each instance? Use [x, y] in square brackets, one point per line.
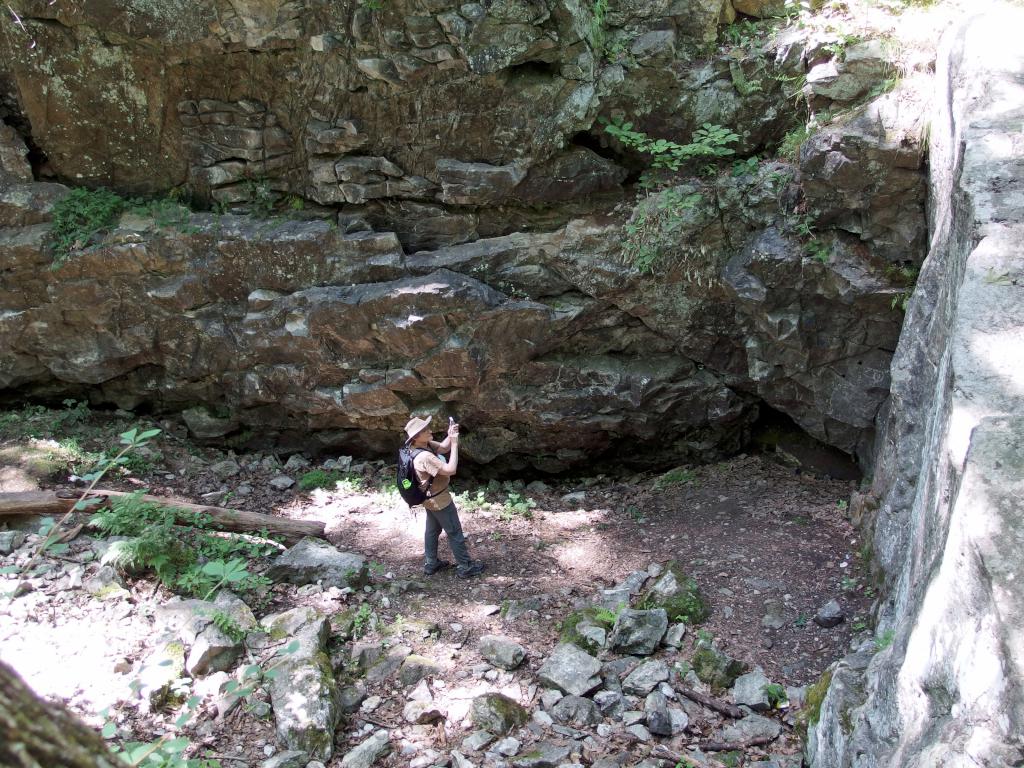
[408, 484]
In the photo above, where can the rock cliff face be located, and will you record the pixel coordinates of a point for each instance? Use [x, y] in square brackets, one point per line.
[945, 683]
[464, 236]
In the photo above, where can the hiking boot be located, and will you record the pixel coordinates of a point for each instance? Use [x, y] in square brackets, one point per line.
[474, 569]
[430, 570]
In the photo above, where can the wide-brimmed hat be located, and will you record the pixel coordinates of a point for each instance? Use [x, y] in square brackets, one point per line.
[414, 426]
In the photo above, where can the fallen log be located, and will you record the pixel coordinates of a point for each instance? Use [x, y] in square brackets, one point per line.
[221, 518]
[31, 503]
[662, 752]
[730, 746]
[729, 710]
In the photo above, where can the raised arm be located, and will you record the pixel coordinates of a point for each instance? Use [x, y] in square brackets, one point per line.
[451, 447]
[443, 447]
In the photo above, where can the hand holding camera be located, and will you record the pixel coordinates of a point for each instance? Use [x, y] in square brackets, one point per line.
[453, 429]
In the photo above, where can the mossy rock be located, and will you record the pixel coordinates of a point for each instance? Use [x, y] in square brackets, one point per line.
[715, 668]
[589, 615]
[679, 595]
[498, 714]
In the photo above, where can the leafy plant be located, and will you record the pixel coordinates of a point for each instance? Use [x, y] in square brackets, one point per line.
[607, 617]
[254, 676]
[819, 250]
[776, 695]
[709, 140]
[226, 624]
[654, 224]
[163, 753]
[743, 85]
[230, 572]
[319, 478]
[79, 216]
[598, 33]
[175, 551]
[471, 502]
[167, 212]
[745, 167]
[261, 197]
[51, 532]
[517, 505]
[837, 48]
[741, 34]
[361, 620]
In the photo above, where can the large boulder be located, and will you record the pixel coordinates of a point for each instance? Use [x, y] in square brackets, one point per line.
[314, 560]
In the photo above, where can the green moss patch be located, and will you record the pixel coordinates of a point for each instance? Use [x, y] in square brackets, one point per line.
[815, 698]
[679, 595]
[592, 615]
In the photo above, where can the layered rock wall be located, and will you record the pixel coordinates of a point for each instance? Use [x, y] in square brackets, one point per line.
[452, 230]
[945, 685]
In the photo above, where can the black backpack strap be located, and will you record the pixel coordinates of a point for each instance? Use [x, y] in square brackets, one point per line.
[416, 452]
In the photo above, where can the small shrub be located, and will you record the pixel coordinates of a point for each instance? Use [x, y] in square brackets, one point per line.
[262, 199]
[745, 167]
[80, 215]
[467, 502]
[904, 275]
[709, 140]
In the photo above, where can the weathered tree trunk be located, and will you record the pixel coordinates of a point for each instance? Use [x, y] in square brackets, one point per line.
[38, 734]
[235, 520]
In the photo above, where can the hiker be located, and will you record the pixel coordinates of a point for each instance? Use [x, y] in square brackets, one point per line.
[434, 474]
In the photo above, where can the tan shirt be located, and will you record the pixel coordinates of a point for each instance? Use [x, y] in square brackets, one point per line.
[427, 465]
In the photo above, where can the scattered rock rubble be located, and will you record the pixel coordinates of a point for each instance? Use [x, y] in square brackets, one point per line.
[627, 689]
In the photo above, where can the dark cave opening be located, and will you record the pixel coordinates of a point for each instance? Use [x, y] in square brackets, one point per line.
[777, 435]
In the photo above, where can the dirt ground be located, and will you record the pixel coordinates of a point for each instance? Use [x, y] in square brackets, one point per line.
[748, 530]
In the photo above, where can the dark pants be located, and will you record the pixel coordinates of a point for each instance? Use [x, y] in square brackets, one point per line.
[446, 520]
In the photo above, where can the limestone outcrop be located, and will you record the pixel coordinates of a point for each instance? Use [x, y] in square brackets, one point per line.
[943, 682]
